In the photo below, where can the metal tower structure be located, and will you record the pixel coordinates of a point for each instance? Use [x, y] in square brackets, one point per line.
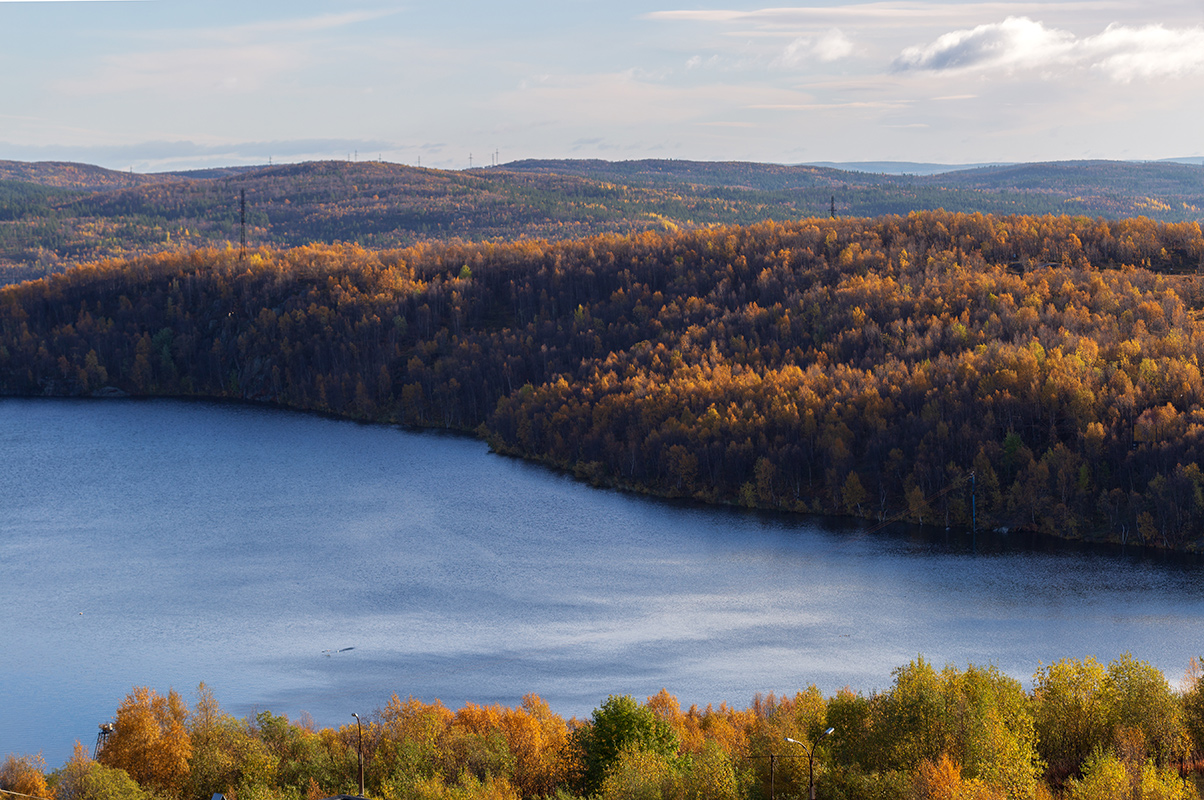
[242, 211]
[102, 737]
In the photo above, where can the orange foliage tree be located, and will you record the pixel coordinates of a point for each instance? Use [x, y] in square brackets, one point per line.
[150, 741]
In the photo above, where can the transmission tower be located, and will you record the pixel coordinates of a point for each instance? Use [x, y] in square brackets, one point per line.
[242, 207]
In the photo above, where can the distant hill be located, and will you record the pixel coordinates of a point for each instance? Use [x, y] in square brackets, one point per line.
[1161, 190]
[930, 168]
[1166, 191]
[1120, 178]
[211, 172]
[897, 167]
[67, 174]
[1066, 178]
[729, 174]
[55, 214]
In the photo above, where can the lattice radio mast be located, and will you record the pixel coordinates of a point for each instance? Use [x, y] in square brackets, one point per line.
[242, 210]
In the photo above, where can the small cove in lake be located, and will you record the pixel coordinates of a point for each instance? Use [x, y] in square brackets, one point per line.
[164, 543]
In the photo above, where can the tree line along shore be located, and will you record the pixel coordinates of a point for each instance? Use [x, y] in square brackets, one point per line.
[1085, 731]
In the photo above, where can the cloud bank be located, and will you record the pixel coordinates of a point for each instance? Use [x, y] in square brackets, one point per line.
[1120, 52]
[151, 155]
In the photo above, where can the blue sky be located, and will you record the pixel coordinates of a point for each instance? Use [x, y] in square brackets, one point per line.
[171, 84]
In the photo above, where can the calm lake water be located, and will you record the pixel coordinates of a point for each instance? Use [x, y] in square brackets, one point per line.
[167, 543]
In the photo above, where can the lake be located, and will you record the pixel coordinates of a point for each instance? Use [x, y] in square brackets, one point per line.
[306, 565]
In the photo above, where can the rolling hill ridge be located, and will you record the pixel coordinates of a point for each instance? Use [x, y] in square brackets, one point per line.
[54, 215]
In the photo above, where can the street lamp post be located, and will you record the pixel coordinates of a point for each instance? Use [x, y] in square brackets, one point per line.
[811, 759]
[360, 750]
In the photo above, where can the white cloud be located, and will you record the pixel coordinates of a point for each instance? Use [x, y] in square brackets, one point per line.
[1015, 42]
[832, 46]
[710, 62]
[796, 54]
[1150, 52]
[887, 14]
[1121, 52]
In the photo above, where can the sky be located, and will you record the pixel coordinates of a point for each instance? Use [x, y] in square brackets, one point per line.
[155, 85]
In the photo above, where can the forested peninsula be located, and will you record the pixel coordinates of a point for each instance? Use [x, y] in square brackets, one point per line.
[865, 367]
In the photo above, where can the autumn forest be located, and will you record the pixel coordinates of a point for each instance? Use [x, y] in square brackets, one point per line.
[54, 215]
[1036, 373]
[1032, 374]
[1086, 731]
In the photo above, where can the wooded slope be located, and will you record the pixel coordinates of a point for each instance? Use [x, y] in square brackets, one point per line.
[68, 174]
[97, 213]
[860, 367]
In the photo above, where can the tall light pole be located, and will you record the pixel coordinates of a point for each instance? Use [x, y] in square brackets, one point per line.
[360, 749]
[811, 759]
[773, 757]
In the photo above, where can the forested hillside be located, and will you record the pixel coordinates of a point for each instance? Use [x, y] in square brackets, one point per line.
[862, 367]
[1085, 732]
[53, 216]
[1168, 192]
[371, 204]
[66, 174]
[1083, 177]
